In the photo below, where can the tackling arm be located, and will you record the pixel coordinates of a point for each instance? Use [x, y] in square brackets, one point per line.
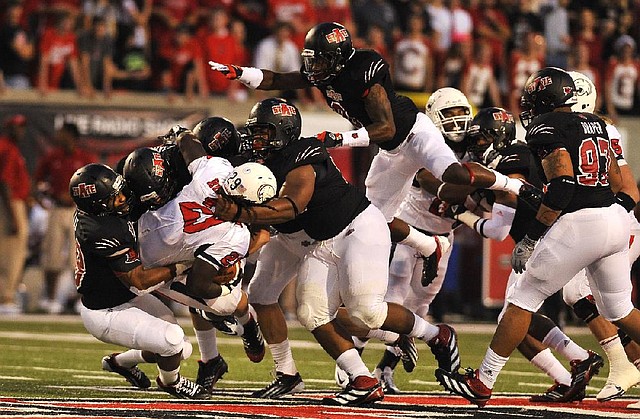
[142, 278]
[293, 198]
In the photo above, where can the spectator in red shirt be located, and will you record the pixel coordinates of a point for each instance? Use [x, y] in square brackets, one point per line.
[14, 224]
[222, 47]
[53, 172]
[182, 66]
[59, 49]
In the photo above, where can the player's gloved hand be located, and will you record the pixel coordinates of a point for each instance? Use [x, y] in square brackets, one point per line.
[454, 210]
[438, 207]
[491, 158]
[330, 139]
[522, 253]
[174, 133]
[530, 195]
[230, 71]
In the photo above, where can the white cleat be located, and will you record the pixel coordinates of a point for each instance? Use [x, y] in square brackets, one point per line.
[621, 379]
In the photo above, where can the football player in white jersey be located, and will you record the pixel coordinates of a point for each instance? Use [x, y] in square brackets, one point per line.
[180, 226]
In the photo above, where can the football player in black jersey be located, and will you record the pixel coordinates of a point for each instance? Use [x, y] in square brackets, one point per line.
[491, 140]
[112, 282]
[578, 226]
[357, 85]
[348, 264]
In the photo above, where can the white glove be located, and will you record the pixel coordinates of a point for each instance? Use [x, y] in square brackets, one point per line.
[521, 254]
[491, 158]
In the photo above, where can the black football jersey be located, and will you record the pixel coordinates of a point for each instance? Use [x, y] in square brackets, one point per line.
[335, 202]
[104, 245]
[584, 136]
[345, 94]
[517, 159]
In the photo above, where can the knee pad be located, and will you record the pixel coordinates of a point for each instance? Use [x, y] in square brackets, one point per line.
[585, 308]
[309, 319]
[369, 316]
[187, 348]
[624, 338]
[174, 337]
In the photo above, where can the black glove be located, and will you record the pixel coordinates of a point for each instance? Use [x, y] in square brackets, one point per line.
[172, 136]
[530, 195]
[330, 139]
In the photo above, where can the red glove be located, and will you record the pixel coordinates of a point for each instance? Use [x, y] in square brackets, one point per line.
[330, 139]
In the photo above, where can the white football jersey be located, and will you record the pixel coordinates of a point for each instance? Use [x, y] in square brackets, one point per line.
[185, 227]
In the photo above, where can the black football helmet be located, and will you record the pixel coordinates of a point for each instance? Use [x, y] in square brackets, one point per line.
[94, 187]
[218, 136]
[544, 91]
[490, 126]
[272, 124]
[327, 48]
[151, 177]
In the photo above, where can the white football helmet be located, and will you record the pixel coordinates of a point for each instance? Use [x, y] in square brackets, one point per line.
[453, 128]
[252, 181]
[585, 91]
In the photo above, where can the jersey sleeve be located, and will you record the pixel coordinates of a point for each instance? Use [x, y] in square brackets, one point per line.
[616, 144]
[543, 136]
[371, 69]
[115, 240]
[309, 151]
[515, 160]
[208, 174]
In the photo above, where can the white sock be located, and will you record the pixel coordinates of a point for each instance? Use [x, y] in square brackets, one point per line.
[169, 377]
[424, 244]
[612, 346]
[422, 329]
[282, 356]
[208, 344]
[505, 183]
[351, 362]
[549, 364]
[244, 319]
[491, 366]
[563, 344]
[384, 335]
[130, 358]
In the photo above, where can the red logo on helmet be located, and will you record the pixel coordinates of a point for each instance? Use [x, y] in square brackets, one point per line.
[567, 90]
[539, 83]
[503, 116]
[84, 190]
[158, 165]
[337, 35]
[283, 109]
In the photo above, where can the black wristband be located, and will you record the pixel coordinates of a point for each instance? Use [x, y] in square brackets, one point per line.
[536, 229]
[626, 201]
[293, 204]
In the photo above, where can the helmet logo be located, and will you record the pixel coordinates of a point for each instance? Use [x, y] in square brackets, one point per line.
[283, 109]
[503, 116]
[567, 89]
[539, 83]
[84, 190]
[337, 35]
[332, 94]
[158, 165]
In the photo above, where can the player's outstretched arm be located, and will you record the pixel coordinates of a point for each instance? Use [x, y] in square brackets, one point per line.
[257, 78]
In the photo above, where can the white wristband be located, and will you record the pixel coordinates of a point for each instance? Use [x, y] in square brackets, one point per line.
[357, 138]
[251, 77]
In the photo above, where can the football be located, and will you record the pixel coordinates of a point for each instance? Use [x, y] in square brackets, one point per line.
[251, 181]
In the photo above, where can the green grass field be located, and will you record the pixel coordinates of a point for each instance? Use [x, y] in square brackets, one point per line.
[55, 357]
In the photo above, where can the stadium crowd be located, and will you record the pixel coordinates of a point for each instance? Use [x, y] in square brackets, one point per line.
[485, 48]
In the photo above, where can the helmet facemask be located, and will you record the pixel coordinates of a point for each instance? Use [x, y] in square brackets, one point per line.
[321, 67]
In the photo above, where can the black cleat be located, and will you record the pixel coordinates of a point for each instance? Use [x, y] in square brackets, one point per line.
[210, 372]
[361, 390]
[582, 372]
[467, 385]
[445, 348]
[134, 375]
[253, 341]
[409, 352]
[184, 389]
[282, 385]
[558, 393]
